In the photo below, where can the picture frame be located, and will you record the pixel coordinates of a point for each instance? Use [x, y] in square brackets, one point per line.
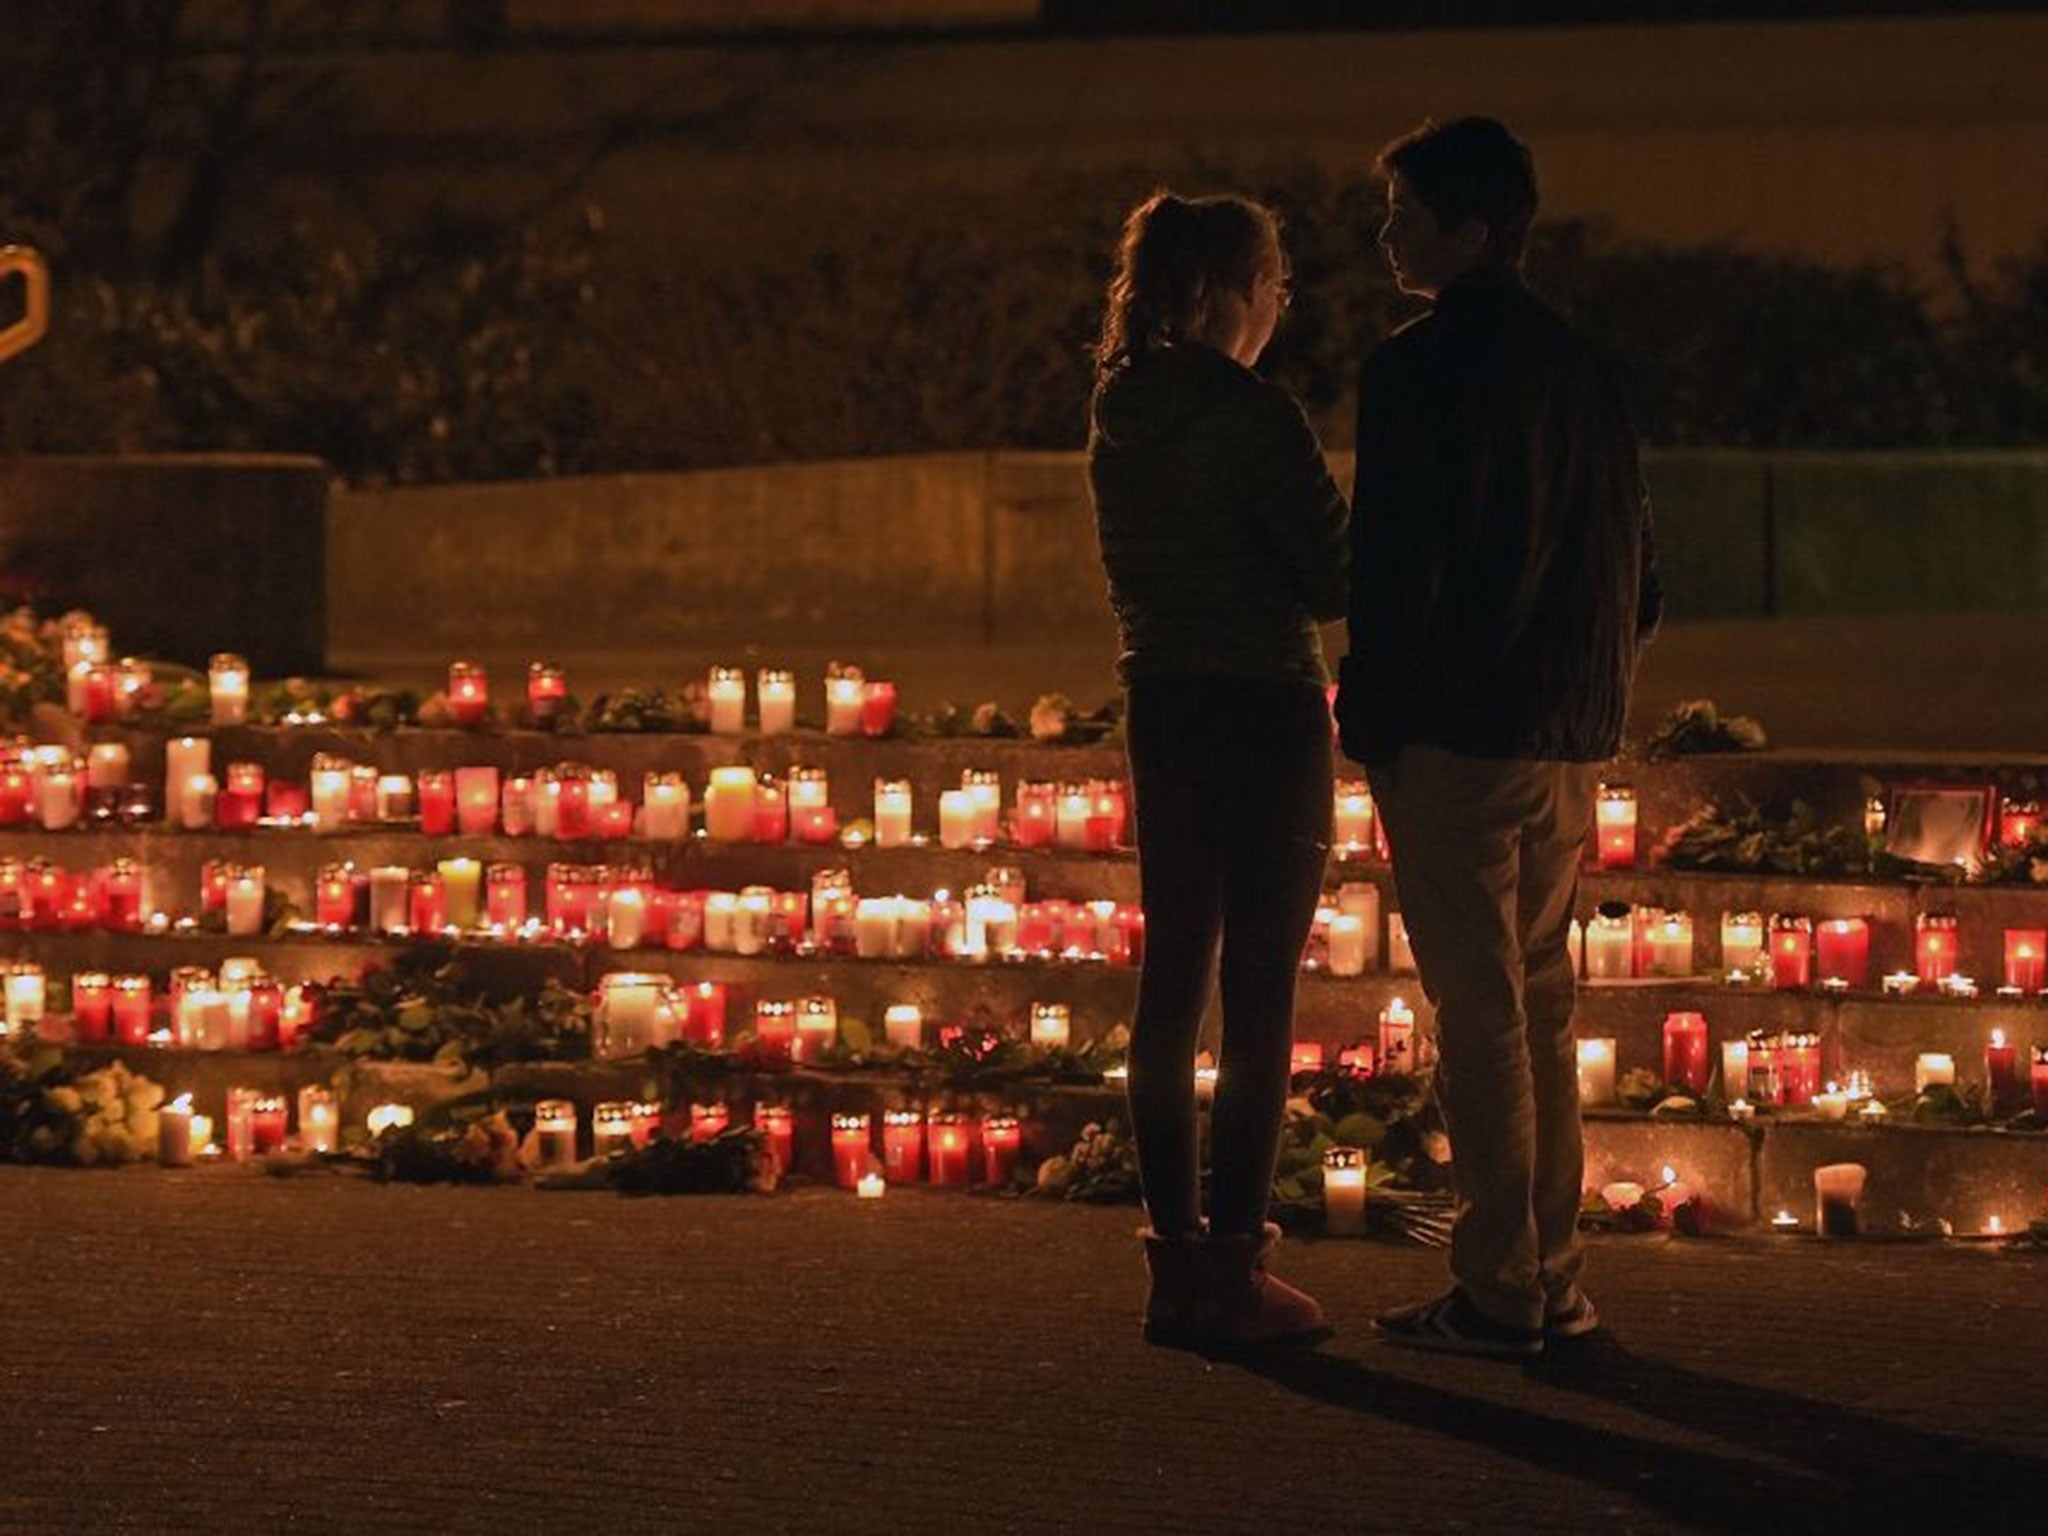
[1939, 823]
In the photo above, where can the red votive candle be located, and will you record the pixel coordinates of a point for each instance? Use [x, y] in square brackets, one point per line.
[14, 792]
[266, 1007]
[1002, 1138]
[850, 1135]
[902, 1145]
[705, 1021]
[1036, 817]
[2018, 821]
[1615, 827]
[505, 896]
[877, 708]
[2002, 1073]
[427, 907]
[1685, 1051]
[476, 800]
[131, 1009]
[1842, 949]
[267, 1119]
[708, 1121]
[240, 800]
[947, 1139]
[547, 689]
[334, 896]
[2024, 951]
[771, 812]
[92, 1005]
[775, 1024]
[120, 896]
[284, 800]
[436, 789]
[1307, 1056]
[1934, 946]
[2039, 1079]
[1798, 1063]
[469, 693]
[1791, 951]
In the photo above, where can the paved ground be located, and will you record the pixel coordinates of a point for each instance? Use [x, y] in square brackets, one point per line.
[216, 1350]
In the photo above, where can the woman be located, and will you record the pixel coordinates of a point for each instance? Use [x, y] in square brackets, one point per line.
[1225, 542]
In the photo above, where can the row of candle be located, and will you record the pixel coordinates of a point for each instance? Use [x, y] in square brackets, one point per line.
[1784, 1069]
[854, 704]
[238, 1007]
[626, 910]
[1790, 950]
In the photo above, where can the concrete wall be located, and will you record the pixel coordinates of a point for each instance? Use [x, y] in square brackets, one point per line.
[979, 549]
[180, 556]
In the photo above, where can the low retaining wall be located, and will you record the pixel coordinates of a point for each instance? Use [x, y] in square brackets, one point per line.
[179, 555]
[999, 548]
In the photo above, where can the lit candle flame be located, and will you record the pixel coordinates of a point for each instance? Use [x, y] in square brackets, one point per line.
[1998, 1039]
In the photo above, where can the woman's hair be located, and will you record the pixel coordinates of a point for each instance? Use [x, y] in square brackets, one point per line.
[1175, 251]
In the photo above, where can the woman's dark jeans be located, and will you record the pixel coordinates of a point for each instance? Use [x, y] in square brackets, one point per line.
[1232, 783]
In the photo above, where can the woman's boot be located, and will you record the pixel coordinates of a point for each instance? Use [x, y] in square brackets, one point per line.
[1243, 1304]
[1175, 1307]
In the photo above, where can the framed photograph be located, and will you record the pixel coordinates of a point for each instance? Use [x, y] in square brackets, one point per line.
[1940, 823]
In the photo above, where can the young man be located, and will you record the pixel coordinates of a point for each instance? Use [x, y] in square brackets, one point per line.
[1503, 583]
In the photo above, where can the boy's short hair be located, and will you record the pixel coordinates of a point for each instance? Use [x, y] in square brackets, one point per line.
[1470, 168]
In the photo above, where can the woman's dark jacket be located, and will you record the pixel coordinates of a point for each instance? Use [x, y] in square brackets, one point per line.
[1223, 536]
[1505, 579]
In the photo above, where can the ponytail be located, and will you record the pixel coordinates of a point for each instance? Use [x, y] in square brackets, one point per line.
[1173, 253]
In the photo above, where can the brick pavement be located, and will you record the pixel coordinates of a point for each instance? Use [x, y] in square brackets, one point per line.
[217, 1350]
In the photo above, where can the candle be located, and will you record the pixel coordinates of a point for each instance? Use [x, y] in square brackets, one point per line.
[25, 997]
[709, 1121]
[727, 691]
[777, 693]
[1306, 1056]
[959, 819]
[729, 805]
[1935, 951]
[627, 1008]
[554, 1133]
[505, 897]
[427, 903]
[1685, 1051]
[547, 691]
[2024, 949]
[2037, 1080]
[777, 1125]
[1797, 1060]
[469, 693]
[1670, 945]
[1002, 1138]
[387, 1117]
[240, 801]
[704, 1021]
[775, 1025]
[1933, 1069]
[877, 708]
[227, 677]
[131, 1009]
[2002, 1074]
[947, 1137]
[437, 802]
[665, 808]
[902, 1144]
[1397, 1038]
[1610, 945]
[518, 807]
[174, 1132]
[1344, 1192]
[1734, 1069]
[1742, 941]
[319, 1120]
[1615, 821]
[626, 918]
[92, 1005]
[2019, 821]
[1831, 1103]
[1352, 819]
[903, 1025]
[461, 892]
[327, 788]
[1051, 1025]
[1791, 951]
[892, 813]
[817, 1028]
[850, 1133]
[197, 797]
[245, 901]
[1596, 1071]
[870, 1186]
[390, 888]
[843, 693]
[121, 896]
[1035, 818]
[1842, 950]
[611, 1127]
[1838, 1199]
[476, 800]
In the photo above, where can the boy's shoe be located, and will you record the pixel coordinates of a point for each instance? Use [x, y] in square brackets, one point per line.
[1573, 1321]
[1451, 1324]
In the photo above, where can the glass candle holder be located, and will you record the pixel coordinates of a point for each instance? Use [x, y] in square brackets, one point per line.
[892, 813]
[611, 1127]
[1002, 1140]
[1936, 953]
[1596, 1071]
[1842, 950]
[1742, 941]
[1051, 1025]
[227, 677]
[1615, 827]
[547, 691]
[1344, 1192]
[776, 691]
[469, 693]
[1791, 951]
[844, 690]
[902, 1145]
[777, 1125]
[850, 1154]
[949, 1138]
[436, 790]
[1685, 1051]
[984, 791]
[319, 1120]
[726, 690]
